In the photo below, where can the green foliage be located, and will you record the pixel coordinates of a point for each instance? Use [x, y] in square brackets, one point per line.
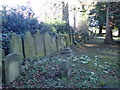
[18, 20]
[58, 26]
[99, 13]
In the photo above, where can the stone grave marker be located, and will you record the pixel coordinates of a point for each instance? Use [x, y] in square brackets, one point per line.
[47, 40]
[29, 46]
[16, 45]
[71, 39]
[2, 55]
[12, 67]
[0, 42]
[63, 41]
[64, 69]
[53, 44]
[67, 40]
[59, 42]
[39, 44]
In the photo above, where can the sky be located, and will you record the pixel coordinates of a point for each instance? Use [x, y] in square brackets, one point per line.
[39, 6]
[35, 4]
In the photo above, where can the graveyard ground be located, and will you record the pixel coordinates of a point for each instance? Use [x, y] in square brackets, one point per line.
[92, 65]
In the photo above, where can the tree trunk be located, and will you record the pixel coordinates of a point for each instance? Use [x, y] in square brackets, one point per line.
[65, 12]
[100, 31]
[108, 37]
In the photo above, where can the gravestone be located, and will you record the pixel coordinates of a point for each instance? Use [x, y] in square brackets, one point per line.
[59, 43]
[0, 72]
[53, 44]
[67, 40]
[29, 46]
[16, 45]
[63, 41]
[2, 55]
[12, 67]
[0, 42]
[64, 69]
[71, 39]
[48, 48]
[66, 52]
[39, 44]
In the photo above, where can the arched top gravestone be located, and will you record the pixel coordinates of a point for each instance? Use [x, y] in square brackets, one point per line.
[12, 67]
[67, 39]
[16, 45]
[39, 44]
[47, 40]
[29, 46]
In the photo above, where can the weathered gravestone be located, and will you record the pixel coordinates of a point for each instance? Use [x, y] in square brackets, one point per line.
[39, 44]
[11, 67]
[59, 43]
[66, 52]
[0, 43]
[29, 46]
[64, 69]
[2, 54]
[0, 72]
[47, 40]
[53, 44]
[63, 41]
[16, 45]
[71, 39]
[67, 39]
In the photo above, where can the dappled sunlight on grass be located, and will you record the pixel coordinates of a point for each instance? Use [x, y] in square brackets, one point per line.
[91, 45]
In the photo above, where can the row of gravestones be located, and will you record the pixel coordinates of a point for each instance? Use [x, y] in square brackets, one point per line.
[38, 45]
[31, 46]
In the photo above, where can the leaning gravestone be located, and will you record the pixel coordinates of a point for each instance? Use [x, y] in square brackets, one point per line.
[39, 44]
[47, 40]
[29, 46]
[12, 67]
[53, 44]
[16, 45]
